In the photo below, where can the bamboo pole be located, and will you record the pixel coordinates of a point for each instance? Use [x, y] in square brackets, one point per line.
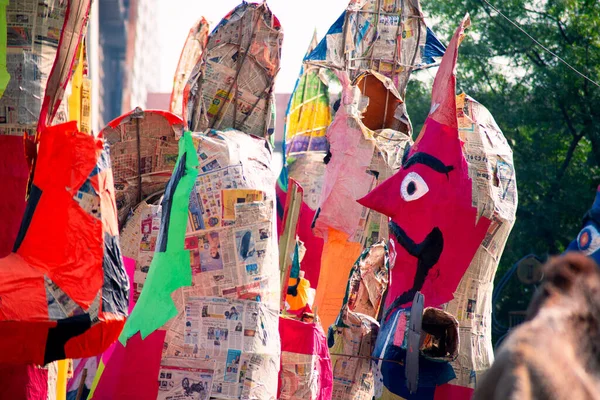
[287, 241]
[81, 384]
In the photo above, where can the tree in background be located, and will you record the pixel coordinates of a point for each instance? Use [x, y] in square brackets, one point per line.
[550, 115]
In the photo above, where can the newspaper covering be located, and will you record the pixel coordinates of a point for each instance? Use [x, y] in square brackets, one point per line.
[33, 34]
[235, 86]
[373, 226]
[490, 160]
[386, 36]
[490, 163]
[226, 164]
[138, 241]
[230, 228]
[308, 169]
[224, 342]
[86, 105]
[298, 380]
[191, 54]
[353, 375]
[182, 383]
[232, 261]
[234, 339]
[356, 328]
[158, 151]
[216, 195]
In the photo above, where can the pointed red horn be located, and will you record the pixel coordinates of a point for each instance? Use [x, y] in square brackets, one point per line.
[443, 95]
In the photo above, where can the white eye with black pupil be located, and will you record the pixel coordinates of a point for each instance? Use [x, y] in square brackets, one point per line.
[413, 187]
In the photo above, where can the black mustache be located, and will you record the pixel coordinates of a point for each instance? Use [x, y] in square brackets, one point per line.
[427, 253]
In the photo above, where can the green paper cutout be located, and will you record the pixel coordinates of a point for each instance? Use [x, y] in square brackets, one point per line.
[169, 270]
[4, 75]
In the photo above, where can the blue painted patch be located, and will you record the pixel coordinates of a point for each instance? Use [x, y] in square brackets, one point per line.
[431, 373]
[588, 239]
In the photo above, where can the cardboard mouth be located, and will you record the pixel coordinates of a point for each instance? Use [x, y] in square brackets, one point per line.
[439, 335]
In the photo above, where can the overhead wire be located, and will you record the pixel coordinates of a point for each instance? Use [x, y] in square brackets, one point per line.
[541, 45]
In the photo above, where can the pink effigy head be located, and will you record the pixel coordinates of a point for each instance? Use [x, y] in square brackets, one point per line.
[429, 202]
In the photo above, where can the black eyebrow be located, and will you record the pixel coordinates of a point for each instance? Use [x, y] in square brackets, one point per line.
[428, 160]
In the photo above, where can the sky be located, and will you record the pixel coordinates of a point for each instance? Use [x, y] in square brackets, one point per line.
[298, 19]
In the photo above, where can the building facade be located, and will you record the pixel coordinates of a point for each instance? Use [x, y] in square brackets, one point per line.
[122, 57]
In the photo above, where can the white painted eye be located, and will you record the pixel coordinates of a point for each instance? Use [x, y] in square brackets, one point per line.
[413, 187]
[588, 240]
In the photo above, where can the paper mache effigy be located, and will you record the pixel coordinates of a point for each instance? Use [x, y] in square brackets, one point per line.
[206, 320]
[42, 40]
[452, 205]
[143, 146]
[212, 289]
[191, 55]
[37, 60]
[232, 87]
[64, 287]
[235, 260]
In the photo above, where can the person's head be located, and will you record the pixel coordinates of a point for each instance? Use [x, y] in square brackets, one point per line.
[233, 310]
[570, 281]
[214, 253]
